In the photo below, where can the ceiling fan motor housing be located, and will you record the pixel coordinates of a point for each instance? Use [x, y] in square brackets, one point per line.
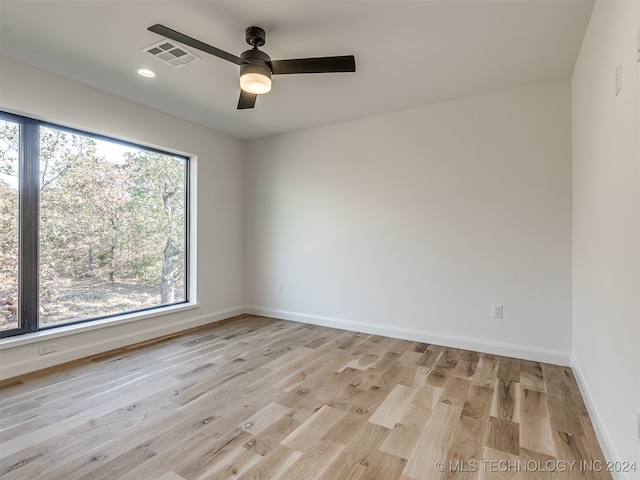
[257, 62]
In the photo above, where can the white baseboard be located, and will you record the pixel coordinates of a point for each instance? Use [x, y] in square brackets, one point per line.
[78, 343]
[24, 358]
[598, 425]
[478, 345]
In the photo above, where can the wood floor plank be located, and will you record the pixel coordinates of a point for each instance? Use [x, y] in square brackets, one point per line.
[268, 439]
[534, 459]
[258, 398]
[382, 465]
[409, 358]
[336, 390]
[120, 465]
[466, 367]
[385, 370]
[70, 453]
[469, 436]
[362, 362]
[232, 465]
[572, 448]
[504, 435]
[314, 461]
[439, 376]
[174, 459]
[428, 359]
[425, 400]
[344, 467]
[455, 392]
[506, 401]
[434, 443]
[563, 417]
[72, 426]
[533, 402]
[509, 369]
[553, 373]
[171, 476]
[536, 434]
[310, 431]
[209, 453]
[366, 442]
[497, 466]
[531, 376]
[353, 341]
[261, 420]
[401, 440]
[485, 377]
[393, 407]
[272, 467]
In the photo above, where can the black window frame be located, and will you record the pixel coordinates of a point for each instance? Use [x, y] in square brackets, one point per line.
[29, 219]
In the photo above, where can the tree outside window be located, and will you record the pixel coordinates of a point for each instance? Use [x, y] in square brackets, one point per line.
[112, 227]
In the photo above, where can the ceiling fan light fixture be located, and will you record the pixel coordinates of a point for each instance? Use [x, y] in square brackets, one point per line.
[255, 79]
[255, 83]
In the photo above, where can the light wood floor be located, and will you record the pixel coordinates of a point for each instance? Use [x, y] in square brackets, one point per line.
[257, 398]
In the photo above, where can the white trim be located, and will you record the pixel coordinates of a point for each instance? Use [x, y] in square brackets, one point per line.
[106, 343]
[65, 330]
[598, 425]
[556, 357]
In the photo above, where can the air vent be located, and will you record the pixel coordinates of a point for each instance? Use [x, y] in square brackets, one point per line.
[169, 52]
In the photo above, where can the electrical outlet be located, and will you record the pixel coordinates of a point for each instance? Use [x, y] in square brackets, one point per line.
[496, 310]
[48, 348]
[279, 287]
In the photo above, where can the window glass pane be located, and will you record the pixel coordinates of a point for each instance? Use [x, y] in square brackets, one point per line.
[112, 228]
[9, 171]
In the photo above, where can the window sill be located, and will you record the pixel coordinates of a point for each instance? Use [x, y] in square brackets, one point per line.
[63, 331]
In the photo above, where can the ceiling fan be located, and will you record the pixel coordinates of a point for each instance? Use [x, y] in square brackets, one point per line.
[256, 67]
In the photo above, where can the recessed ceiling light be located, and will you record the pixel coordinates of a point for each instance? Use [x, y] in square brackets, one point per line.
[146, 72]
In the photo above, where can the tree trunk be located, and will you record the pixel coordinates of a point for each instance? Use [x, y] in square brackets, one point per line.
[112, 263]
[169, 274]
[90, 260]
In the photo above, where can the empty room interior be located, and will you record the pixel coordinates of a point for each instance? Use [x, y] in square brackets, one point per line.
[320, 240]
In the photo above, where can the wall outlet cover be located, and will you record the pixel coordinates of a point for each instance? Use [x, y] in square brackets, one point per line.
[48, 348]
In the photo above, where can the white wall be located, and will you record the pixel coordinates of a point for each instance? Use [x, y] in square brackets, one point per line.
[606, 221]
[413, 223]
[219, 222]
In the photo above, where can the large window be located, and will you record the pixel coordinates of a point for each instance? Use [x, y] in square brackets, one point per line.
[92, 227]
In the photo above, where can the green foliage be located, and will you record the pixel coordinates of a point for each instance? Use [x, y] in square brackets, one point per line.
[8, 208]
[103, 214]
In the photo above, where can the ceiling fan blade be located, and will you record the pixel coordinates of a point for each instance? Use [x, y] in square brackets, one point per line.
[197, 44]
[246, 100]
[343, 63]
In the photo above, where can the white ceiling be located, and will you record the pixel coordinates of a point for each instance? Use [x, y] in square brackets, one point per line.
[408, 53]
